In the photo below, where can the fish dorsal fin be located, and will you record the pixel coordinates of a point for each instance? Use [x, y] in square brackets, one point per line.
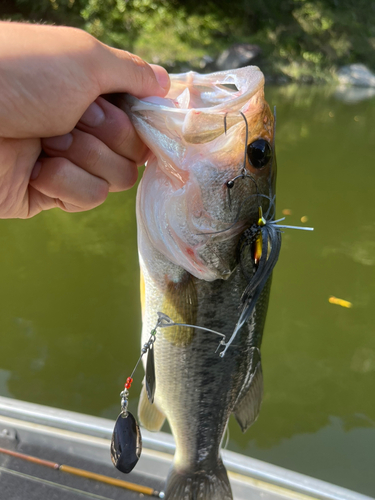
[248, 403]
[149, 414]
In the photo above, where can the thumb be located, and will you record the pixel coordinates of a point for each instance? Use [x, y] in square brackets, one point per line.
[121, 71]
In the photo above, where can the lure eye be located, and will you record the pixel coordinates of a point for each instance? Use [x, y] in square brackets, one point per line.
[259, 153]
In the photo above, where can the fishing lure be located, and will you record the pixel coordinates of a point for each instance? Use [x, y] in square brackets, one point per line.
[126, 443]
[264, 240]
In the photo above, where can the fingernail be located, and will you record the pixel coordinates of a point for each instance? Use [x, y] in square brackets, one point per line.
[36, 170]
[93, 116]
[161, 76]
[59, 143]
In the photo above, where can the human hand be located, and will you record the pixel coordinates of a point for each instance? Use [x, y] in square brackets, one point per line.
[51, 80]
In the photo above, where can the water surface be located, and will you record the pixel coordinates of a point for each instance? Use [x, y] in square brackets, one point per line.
[70, 312]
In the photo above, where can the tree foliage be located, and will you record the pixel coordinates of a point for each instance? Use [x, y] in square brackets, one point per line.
[299, 38]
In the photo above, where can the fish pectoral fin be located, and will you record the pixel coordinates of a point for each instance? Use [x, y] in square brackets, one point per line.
[248, 403]
[149, 415]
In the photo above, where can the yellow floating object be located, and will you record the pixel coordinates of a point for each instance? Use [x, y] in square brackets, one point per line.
[286, 211]
[340, 302]
[304, 218]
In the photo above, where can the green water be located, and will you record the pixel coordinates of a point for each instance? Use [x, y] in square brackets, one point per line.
[70, 313]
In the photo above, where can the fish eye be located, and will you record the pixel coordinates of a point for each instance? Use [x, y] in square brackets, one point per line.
[259, 153]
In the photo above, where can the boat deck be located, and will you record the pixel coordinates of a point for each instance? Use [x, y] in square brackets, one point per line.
[20, 479]
[82, 441]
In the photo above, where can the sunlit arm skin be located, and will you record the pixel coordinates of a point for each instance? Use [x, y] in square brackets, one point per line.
[51, 80]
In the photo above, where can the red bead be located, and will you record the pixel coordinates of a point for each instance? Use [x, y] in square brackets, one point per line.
[129, 380]
[127, 386]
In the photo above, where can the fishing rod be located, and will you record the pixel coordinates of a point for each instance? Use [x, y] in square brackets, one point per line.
[84, 473]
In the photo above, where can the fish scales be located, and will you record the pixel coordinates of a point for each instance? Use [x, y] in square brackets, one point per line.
[189, 228]
[204, 386]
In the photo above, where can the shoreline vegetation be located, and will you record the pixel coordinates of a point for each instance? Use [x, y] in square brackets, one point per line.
[291, 40]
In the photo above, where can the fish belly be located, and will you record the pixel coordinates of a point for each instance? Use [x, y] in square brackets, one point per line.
[196, 389]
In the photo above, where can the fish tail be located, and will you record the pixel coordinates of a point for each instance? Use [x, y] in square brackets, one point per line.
[198, 485]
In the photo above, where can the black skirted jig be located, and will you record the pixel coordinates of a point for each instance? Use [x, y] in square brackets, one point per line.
[264, 240]
[126, 443]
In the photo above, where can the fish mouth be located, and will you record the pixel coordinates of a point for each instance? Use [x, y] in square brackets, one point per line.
[196, 104]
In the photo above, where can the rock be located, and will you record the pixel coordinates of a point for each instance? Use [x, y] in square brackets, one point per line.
[356, 74]
[237, 56]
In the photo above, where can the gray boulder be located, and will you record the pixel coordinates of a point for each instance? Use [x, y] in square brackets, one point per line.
[356, 74]
[238, 56]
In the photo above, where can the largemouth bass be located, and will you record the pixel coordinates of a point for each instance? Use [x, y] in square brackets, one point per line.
[211, 179]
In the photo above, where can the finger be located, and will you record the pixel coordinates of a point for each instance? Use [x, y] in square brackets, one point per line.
[39, 202]
[121, 71]
[72, 188]
[113, 127]
[93, 156]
